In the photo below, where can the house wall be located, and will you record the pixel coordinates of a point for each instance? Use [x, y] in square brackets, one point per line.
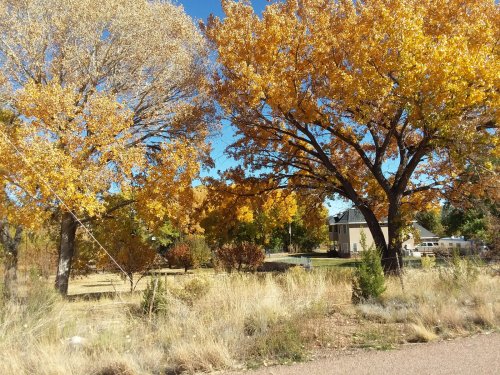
[348, 237]
[343, 238]
[355, 236]
[334, 236]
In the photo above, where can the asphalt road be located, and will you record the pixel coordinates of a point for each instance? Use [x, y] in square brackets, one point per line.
[476, 355]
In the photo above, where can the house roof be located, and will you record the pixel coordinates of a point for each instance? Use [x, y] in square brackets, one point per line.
[350, 216]
[424, 232]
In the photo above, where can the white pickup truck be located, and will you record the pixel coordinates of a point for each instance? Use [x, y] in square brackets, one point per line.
[427, 248]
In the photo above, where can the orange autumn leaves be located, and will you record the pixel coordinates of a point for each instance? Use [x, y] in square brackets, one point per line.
[371, 100]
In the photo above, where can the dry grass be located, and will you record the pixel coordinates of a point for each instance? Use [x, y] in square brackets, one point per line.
[421, 333]
[211, 322]
[440, 303]
[220, 321]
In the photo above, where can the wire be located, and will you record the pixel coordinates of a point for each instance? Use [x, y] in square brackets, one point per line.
[37, 174]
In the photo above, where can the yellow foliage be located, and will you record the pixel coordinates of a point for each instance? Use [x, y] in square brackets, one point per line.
[107, 97]
[382, 102]
[244, 214]
[79, 151]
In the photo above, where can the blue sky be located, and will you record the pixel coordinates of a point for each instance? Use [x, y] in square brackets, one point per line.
[200, 10]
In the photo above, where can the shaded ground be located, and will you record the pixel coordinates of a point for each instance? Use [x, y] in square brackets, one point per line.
[478, 355]
[109, 283]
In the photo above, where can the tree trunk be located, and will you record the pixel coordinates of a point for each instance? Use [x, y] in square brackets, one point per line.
[66, 251]
[392, 260]
[131, 281]
[11, 247]
[391, 252]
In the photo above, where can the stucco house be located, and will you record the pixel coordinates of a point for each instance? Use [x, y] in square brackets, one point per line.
[345, 232]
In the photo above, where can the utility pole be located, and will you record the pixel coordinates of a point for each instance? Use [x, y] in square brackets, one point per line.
[290, 233]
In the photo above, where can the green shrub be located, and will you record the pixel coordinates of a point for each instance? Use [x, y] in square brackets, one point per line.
[154, 297]
[369, 282]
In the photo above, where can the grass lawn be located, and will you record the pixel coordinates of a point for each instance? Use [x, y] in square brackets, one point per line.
[321, 259]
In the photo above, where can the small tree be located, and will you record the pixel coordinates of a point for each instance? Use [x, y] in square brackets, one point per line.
[191, 253]
[369, 279]
[125, 238]
[200, 252]
[243, 256]
[180, 256]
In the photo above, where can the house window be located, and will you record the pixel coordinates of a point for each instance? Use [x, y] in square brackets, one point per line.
[458, 246]
[450, 244]
[355, 247]
[345, 247]
[330, 228]
[335, 229]
[345, 229]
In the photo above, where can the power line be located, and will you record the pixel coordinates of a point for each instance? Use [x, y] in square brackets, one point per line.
[38, 174]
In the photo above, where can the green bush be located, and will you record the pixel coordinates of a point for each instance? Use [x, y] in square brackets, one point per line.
[369, 282]
[154, 297]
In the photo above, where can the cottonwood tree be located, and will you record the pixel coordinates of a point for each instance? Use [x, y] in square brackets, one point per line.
[130, 246]
[108, 97]
[236, 214]
[307, 230]
[383, 103]
[15, 216]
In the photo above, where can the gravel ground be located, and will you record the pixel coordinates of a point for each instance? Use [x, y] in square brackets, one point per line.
[475, 355]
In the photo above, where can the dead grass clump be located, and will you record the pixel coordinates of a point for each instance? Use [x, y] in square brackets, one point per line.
[338, 275]
[282, 343]
[421, 333]
[192, 290]
[376, 313]
[487, 315]
[115, 369]
[190, 356]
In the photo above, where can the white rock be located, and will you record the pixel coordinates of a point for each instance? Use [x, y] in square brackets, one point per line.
[77, 341]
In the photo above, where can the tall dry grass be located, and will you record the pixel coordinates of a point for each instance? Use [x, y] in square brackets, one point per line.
[210, 322]
[441, 302]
